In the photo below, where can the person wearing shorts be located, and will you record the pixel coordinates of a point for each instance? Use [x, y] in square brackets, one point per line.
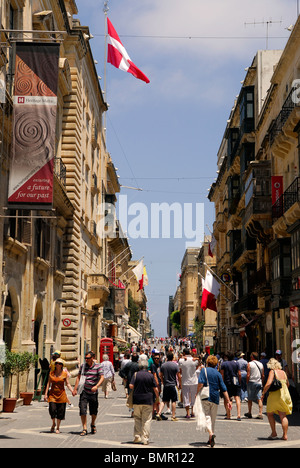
[89, 396]
[255, 381]
[170, 376]
[232, 378]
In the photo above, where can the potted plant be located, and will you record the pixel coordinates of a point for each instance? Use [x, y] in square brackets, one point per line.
[28, 361]
[8, 369]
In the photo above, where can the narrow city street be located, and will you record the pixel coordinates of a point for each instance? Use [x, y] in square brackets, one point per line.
[29, 427]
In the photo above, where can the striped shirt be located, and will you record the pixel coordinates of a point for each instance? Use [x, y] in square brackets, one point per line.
[92, 374]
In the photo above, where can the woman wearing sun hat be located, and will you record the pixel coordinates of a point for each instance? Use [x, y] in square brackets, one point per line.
[56, 394]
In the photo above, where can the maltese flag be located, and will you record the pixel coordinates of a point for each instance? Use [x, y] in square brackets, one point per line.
[211, 289]
[139, 274]
[118, 56]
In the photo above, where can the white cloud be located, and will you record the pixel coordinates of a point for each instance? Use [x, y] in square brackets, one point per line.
[188, 68]
[194, 18]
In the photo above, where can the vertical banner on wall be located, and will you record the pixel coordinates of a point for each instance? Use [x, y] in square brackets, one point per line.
[34, 126]
[277, 188]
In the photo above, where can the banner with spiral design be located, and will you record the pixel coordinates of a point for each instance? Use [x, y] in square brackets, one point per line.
[34, 124]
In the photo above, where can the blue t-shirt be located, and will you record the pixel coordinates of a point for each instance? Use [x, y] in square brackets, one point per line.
[215, 384]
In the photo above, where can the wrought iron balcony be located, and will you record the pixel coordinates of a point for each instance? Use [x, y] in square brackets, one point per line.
[283, 116]
[60, 171]
[290, 197]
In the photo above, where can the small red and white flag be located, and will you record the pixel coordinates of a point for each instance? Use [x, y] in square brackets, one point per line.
[139, 274]
[212, 247]
[118, 56]
[211, 289]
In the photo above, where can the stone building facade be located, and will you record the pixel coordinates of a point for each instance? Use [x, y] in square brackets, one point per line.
[58, 267]
[256, 198]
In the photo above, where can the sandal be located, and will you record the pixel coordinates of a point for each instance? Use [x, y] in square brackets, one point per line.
[93, 429]
[84, 433]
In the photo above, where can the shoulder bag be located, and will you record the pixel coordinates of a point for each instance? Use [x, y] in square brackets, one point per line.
[205, 390]
[129, 402]
[276, 384]
[81, 381]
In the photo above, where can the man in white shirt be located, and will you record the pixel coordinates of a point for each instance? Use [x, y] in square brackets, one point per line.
[189, 381]
[255, 382]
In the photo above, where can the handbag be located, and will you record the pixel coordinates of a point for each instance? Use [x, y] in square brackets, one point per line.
[129, 402]
[205, 390]
[276, 384]
[81, 381]
[200, 415]
[113, 386]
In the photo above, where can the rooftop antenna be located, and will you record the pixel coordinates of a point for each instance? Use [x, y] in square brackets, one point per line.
[268, 24]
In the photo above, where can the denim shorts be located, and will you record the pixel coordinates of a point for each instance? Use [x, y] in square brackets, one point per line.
[254, 391]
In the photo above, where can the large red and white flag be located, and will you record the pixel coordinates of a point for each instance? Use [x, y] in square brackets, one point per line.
[118, 56]
[211, 289]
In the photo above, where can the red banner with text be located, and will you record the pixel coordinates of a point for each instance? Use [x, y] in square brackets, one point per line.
[34, 126]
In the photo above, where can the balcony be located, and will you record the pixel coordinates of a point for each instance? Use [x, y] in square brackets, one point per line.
[244, 253]
[288, 205]
[259, 283]
[283, 128]
[258, 212]
[248, 303]
[60, 171]
[283, 117]
[98, 290]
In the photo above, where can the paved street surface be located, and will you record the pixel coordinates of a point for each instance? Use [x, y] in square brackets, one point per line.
[29, 427]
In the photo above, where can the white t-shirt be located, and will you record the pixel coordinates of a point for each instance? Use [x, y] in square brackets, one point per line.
[188, 368]
[256, 370]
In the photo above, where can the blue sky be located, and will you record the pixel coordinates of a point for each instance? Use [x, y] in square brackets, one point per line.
[164, 136]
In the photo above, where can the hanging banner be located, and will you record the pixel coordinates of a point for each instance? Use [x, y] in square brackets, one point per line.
[277, 188]
[34, 125]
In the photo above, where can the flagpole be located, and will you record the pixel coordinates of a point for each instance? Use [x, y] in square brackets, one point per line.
[105, 10]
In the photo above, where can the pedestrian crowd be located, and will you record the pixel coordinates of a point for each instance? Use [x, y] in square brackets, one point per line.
[157, 380]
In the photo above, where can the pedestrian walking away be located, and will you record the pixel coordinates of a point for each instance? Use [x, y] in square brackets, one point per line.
[169, 373]
[143, 385]
[212, 378]
[279, 401]
[56, 395]
[232, 378]
[255, 381]
[92, 379]
[108, 373]
[189, 382]
[243, 365]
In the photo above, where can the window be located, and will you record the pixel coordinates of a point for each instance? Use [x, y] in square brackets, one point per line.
[247, 110]
[18, 226]
[42, 239]
[281, 260]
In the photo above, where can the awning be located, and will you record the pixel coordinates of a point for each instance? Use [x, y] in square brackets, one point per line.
[133, 331]
[120, 340]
